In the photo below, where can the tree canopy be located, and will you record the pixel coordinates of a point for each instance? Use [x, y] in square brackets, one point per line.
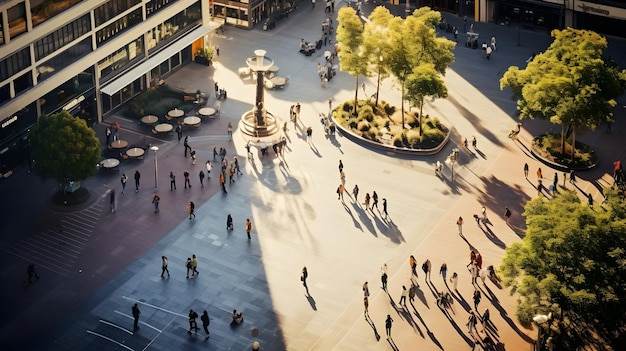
[572, 263]
[390, 45]
[64, 147]
[569, 84]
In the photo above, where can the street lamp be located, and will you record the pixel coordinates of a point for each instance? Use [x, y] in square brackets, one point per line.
[380, 64]
[540, 319]
[156, 179]
[454, 155]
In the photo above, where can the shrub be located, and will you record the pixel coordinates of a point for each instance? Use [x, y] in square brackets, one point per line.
[363, 126]
[366, 113]
[413, 138]
[397, 140]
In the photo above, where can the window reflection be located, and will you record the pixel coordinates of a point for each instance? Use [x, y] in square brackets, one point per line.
[1, 30]
[111, 9]
[117, 27]
[17, 20]
[182, 21]
[41, 10]
[67, 91]
[61, 37]
[119, 59]
[155, 5]
[59, 62]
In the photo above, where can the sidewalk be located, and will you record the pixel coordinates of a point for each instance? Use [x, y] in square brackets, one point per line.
[297, 222]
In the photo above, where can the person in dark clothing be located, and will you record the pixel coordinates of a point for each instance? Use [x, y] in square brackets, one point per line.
[137, 176]
[229, 222]
[31, 273]
[205, 323]
[136, 314]
[193, 325]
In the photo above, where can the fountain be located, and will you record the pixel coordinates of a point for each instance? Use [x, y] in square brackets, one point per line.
[258, 122]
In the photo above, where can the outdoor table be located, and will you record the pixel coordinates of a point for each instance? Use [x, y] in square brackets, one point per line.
[110, 163]
[163, 127]
[176, 113]
[207, 111]
[135, 152]
[119, 144]
[192, 121]
[279, 81]
[149, 119]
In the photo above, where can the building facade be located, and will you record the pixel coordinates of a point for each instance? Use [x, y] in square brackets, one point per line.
[87, 57]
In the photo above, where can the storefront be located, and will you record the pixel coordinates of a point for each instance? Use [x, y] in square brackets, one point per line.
[533, 14]
[600, 18]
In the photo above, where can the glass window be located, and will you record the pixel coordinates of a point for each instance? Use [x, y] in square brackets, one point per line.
[60, 61]
[119, 26]
[119, 59]
[111, 9]
[61, 37]
[67, 91]
[5, 94]
[41, 10]
[180, 23]
[175, 60]
[155, 5]
[1, 30]
[14, 63]
[17, 20]
[23, 82]
[164, 67]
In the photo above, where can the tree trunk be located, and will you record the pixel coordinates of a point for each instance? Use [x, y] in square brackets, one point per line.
[356, 96]
[573, 143]
[402, 102]
[562, 139]
[420, 116]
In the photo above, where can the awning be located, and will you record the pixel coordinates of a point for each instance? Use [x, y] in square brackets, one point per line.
[125, 79]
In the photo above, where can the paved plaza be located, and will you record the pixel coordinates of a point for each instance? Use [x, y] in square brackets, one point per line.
[94, 264]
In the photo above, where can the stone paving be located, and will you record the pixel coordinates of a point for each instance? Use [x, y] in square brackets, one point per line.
[297, 222]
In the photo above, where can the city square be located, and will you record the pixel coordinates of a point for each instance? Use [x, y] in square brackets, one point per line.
[109, 261]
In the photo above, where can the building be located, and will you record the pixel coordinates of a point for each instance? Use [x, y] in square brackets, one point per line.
[87, 57]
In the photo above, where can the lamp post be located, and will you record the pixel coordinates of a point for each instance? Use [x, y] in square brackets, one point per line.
[156, 179]
[454, 155]
[380, 63]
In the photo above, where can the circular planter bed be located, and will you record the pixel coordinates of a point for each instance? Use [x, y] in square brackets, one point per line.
[383, 124]
[547, 147]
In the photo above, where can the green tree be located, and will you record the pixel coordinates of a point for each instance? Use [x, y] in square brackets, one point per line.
[377, 43]
[569, 84]
[351, 54]
[572, 263]
[425, 81]
[414, 42]
[64, 148]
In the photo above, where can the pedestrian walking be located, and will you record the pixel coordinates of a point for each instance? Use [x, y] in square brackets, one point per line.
[236, 163]
[479, 260]
[229, 130]
[366, 289]
[217, 89]
[473, 141]
[411, 293]
[209, 167]
[485, 318]
[193, 325]
[454, 279]
[113, 201]
[443, 270]
[383, 276]
[365, 305]
[179, 132]
[555, 182]
[123, 180]
[483, 211]
[471, 322]
[507, 215]
[193, 157]
[405, 293]
[526, 170]
[30, 273]
[187, 182]
[367, 200]
[385, 208]
[164, 267]
[201, 176]
[189, 266]
[426, 267]
[248, 227]
[186, 145]
[194, 265]
[309, 132]
[590, 199]
[136, 313]
[137, 177]
[375, 200]
[223, 183]
[476, 298]
[305, 274]
[493, 43]
[205, 323]
[459, 224]
[108, 135]
[413, 265]
[340, 166]
[388, 324]
[355, 193]
[472, 258]
[340, 190]
[539, 174]
[155, 201]
[231, 174]
[172, 181]
[191, 208]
